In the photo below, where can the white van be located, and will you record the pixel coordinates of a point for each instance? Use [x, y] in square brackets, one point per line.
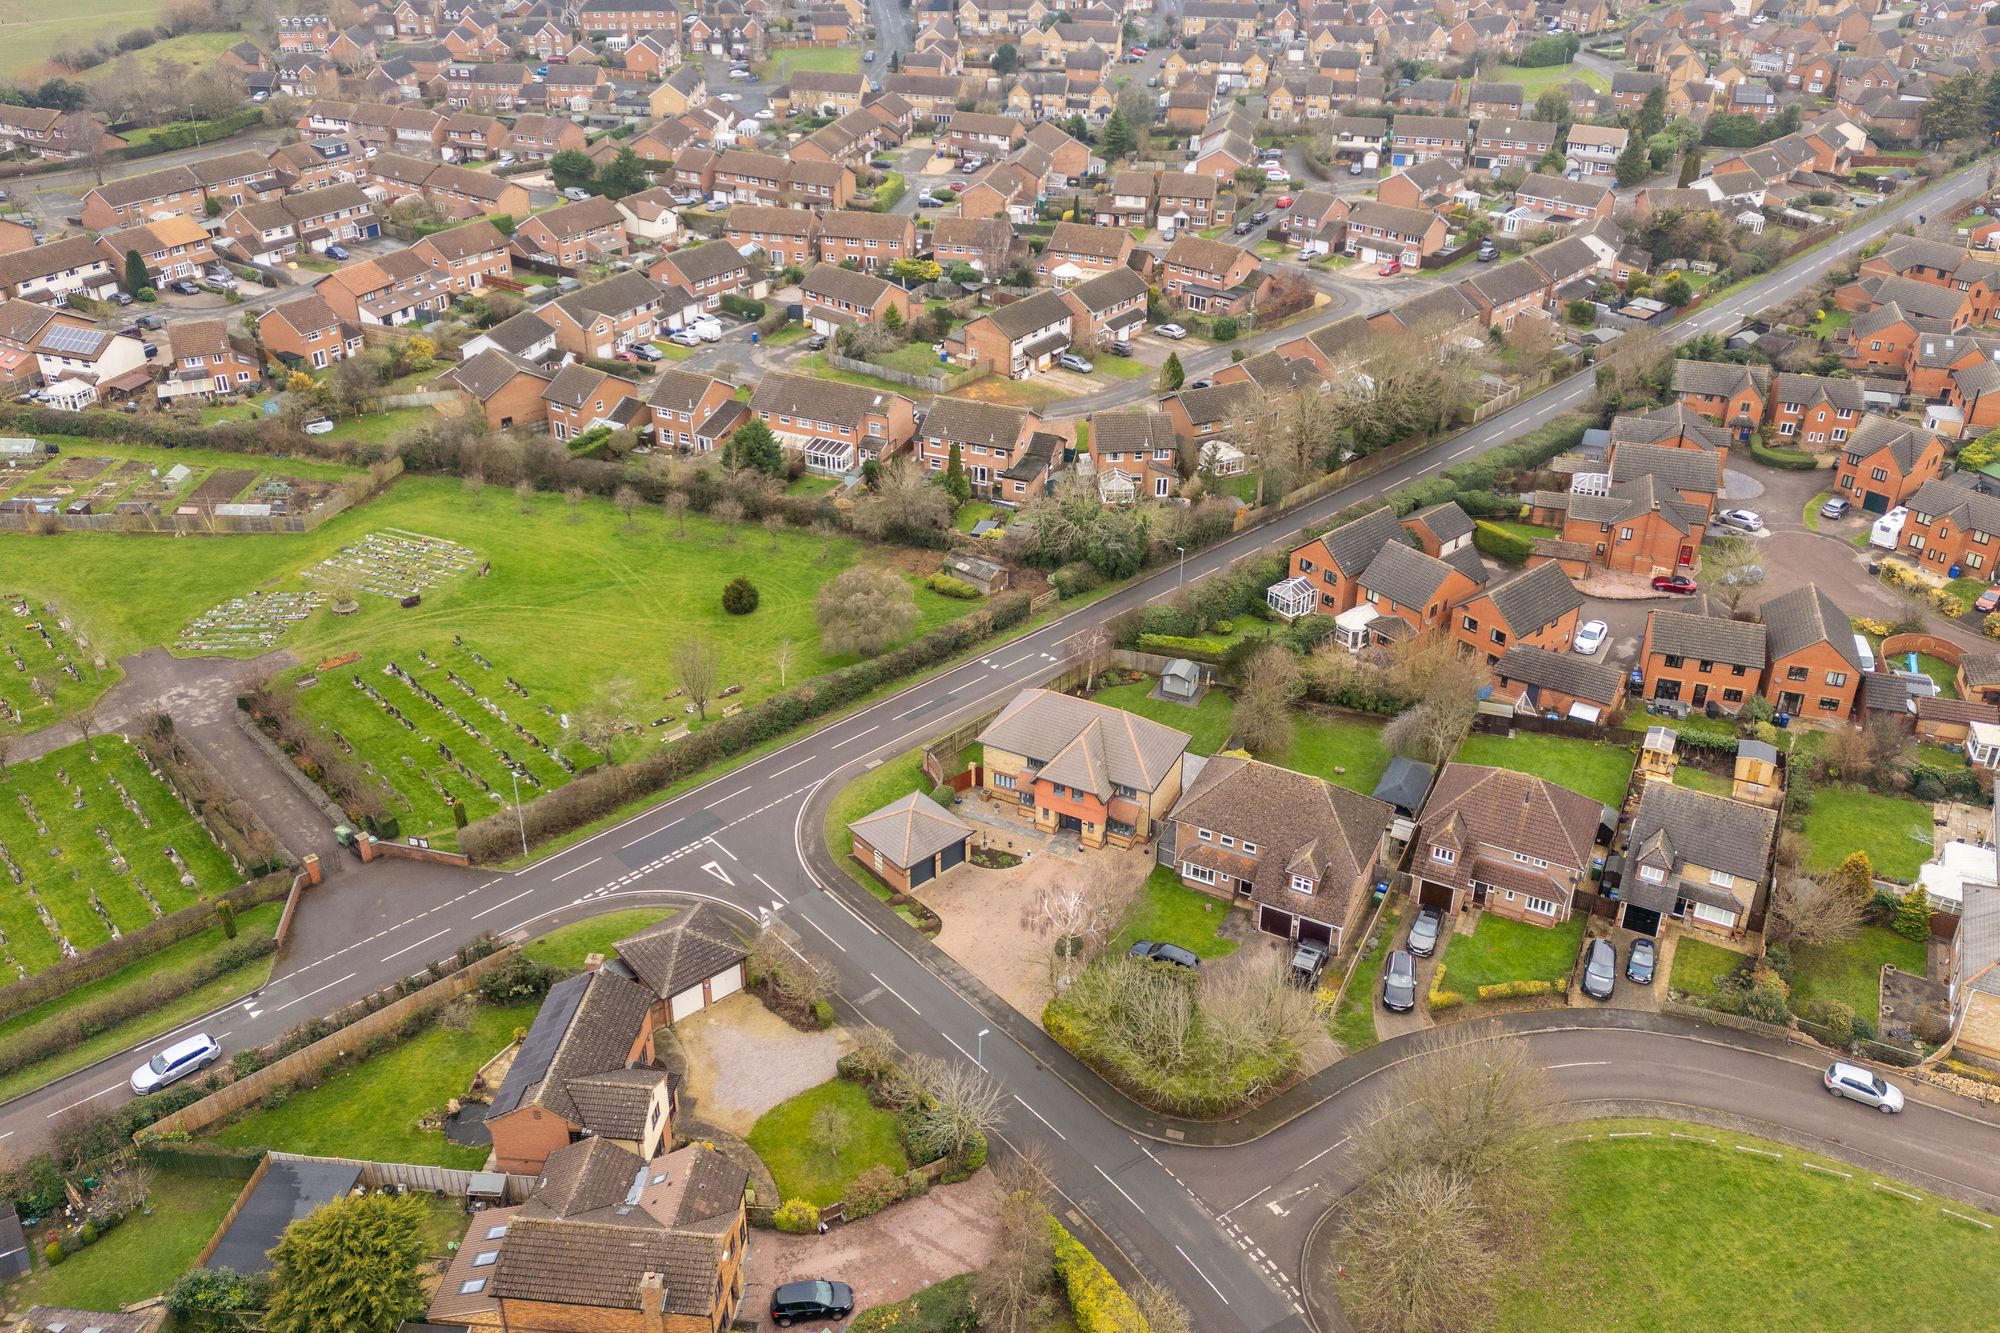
[1864, 652]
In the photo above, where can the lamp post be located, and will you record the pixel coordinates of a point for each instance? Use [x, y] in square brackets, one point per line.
[1183, 575]
[979, 1048]
[520, 819]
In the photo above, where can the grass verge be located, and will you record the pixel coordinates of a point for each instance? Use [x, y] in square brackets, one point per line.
[1354, 1023]
[567, 946]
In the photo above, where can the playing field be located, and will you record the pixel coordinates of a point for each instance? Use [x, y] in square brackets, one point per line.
[31, 29]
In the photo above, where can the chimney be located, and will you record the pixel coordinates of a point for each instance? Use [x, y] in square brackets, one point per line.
[653, 1296]
[593, 962]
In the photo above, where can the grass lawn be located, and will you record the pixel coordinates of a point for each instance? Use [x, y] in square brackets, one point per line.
[1811, 513]
[1208, 722]
[1665, 1233]
[1715, 784]
[1699, 965]
[567, 946]
[1354, 1024]
[1503, 950]
[811, 484]
[818, 367]
[788, 335]
[818, 59]
[1598, 771]
[804, 1169]
[140, 1258]
[1941, 671]
[1269, 249]
[1526, 531]
[371, 1109]
[673, 351]
[1888, 828]
[1850, 972]
[1121, 367]
[1169, 910]
[380, 427]
[972, 512]
[35, 29]
[1533, 79]
[1323, 745]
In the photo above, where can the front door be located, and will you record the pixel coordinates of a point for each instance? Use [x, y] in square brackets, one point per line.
[1069, 823]
[1700, 695]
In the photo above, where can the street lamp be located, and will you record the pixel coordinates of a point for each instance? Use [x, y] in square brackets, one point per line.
[979, 1047]
[519, 818]
[1183, 555]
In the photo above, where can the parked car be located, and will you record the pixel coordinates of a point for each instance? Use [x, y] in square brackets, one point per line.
[1590, 636]
[1390, 268]
[868, 56]
[1679, 584]
[1244, 228]
[1261, 216]
[1277, 175]
[1119, 348]
[182, 287]
[1202, 384]
[1747, 519]
[337, 252]
[646, 351]
[1173, 331]
[153, 349]
[1137, 51]
[1308, 961]
[177, 1061]
[683, 338]
[810, 1300]
[1860, 1085]
[1355, 168]
[1988, 601]
[1159, 951]
[816, 343]
[121, 298]
[1488, 252]
[1837, 507]
[1600, 969]
[725, 97]
[742, 75]
[925, 199]
[150, 322]
[1640, 960]
[1424, 931]
[707, 329]
[1282, 201]
[626, 354]
[1399, 982]
[576, 194]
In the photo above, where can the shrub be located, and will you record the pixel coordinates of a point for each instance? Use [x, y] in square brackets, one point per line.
[1097, 1302]
[1176, 645]
[1507, 990]
[1791, 460]
[1991, 625]
[1835, 1017]
[947, 586]
[739, 596]
[54, 1253]
[796, 1217]
[86, 1236]
[743, 307]
[1075, 580]
[1913, 916]
[822, 1013]
[519, 978]
[1509, 548]
[872, 1191]
[1440, 998]
[1227, 329]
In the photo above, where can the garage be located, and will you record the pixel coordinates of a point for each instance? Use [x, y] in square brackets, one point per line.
[1434, 895]
[1317, 932]
[1875, 502]
[689, 961]
[910, 841]
[688, 1002]
[1641, 920]
[1274, 921]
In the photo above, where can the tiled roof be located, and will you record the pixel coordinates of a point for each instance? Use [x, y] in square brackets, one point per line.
[1539, 597]
[1109, 289]
[1512, 811]
[912, 829]
[1676, 469]
[586, 1026]
[1708, 638]
[818, 400]
[1806, 616]
[1085, 744]
[683, 951]
[966, 422]
[486, 374]
[1682, 827]
[1567, 673]
[1405, 575]
[1721, 379]
[1354, 543]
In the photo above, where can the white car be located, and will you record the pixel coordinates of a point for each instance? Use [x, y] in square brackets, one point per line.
[1277, 175]
[1590, 636]
[708, 330]
[683, 338]
[725, 97]
[1747, 519]
[1173, 331]
[176, 1062]
[576, 194]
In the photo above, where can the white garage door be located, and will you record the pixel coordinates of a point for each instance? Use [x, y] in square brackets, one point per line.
[687, 1002]
[726, 983]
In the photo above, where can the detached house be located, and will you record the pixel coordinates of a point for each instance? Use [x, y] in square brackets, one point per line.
[208, 361]
[306, 331]
[1209, 277]
[1884, 463]
[1701, 859]
[1071, 765]
[1505, 842]
[1814, 673]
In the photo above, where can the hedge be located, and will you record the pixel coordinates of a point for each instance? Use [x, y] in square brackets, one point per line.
[1791, 460]
[1507, 990]
[1096, 1301]
[947, 586]
[1440, 998]
[187, 136]
[742, 306]
[1176, 645]
[598, 792]
[1509, 548]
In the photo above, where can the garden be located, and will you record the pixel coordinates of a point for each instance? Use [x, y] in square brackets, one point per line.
[144, 1254]
[1501, 958]
[1354, 1022]
[1166, 909]
[1592, 768]
[1895, 831]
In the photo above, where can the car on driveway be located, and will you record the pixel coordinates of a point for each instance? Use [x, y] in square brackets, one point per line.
[1308, 961]
[1277, 175]
[1679, 584]
[1837, 507]
[1747, 519]
[683, 338]
[1173, 331]
[176, 1062]
[182, 287]
[1640, 960]
[1860, 1085]
[816, 343]
[646, 351]
[337, 252]
[1390, 268]
[1282, 201]
[576, 194]
[1424, 931]
[1590, 636]
[811, 1302]
[1600, 969]
[1988, 600]
[1119, 348]
[1399, 982]
[1159, 951]
[1071, 361]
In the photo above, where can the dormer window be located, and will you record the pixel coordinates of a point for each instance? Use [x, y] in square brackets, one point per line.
[1443, 855]
[1652, 874]
[1301, 884]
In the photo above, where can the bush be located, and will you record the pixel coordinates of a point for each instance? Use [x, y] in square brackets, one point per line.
[796, 1217]
[822, 1013]
[743, 307]
[1990, 626]
[872, 1191]
[1075, 580]
[54, 1253]
[1913, 916]
[1096, 1301]
[519, 978]
[1792, 460]
[739, 596]
[86, 1236]
[1507, 990]
[1509, 548]
[1176, 645]
[946, 586]
[1835, 1017]
[1227, 329]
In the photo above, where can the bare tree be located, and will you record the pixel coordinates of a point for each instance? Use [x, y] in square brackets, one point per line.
[1431, 731]
[773, 525]
[695, 666]
[1076, 913]
[1091, 650]
[84, 719]
[1161, 1309]
[1810, 912]
[1257, 1011]
[961, 1106]
[627, 501]
[1731, 569]
[473, 484]
[1272, 683]
[524, 492]
[728, 513]
[782, 658]
[828, 1130]
[864, 611]
[1416, 1255]
[676, 505]
[826, 532]
[905, 505]
[1013, 1290]
[574, 495]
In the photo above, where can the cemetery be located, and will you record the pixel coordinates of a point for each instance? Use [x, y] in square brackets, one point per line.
[47, 667]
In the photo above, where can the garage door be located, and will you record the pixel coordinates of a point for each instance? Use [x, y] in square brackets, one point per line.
[952, 855]
[1317, 931]
[1875, 502]
[725, 983]
[1435, 895]
[687, 1002]
[920, 873]
[1272, 921]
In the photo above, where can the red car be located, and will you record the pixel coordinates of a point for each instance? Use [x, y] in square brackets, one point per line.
[1390, 268]
[627, 354]
[1988, 600]
[1680, 584]
[1284, 201]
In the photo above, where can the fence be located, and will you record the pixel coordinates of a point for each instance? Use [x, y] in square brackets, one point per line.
[909, 380]
[282, 1073]
[421, 398]
[431, 1179]
[1929, 645]
[229, 1218]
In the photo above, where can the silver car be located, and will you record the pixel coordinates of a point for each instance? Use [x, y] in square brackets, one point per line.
[1860, 1085]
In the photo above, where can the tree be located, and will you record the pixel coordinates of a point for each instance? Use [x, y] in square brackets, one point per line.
[572, 169]
[695, 667]
[1956, 109]
[904, 506]
[753, 445]
[1854, 878]
[916, 270]
[1171, 374]
[960, 1106]
[828, 1130]
[213, 1300]
[892, 319]
[739, 596]
[676, 505]
[1652, 117]
[1118, 140]
[1272, 683]
[1731, 569]
[864, 611]
[1012, 1291]
[624, 174]
[774, 524]
[1810, 913]
[1553, 106]
[1913, 916]
[1633, 165]
[782, 658]
[1076, 913]
[1091, 649]
[352, 1265]
[84, 719]
[1005, 60]
[1675, 291]
[573, 496]
[136, 278]
[627, 501]
[956, 484]
[797, 980]
[524, 491]
[728, 513]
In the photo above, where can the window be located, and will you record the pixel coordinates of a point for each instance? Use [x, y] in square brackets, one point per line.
[1206, 836]
[486, 1258]
[1443, 855]
[1005, 780]
[1722, 879]
[1652, 874]
[1228, 841]
[1716, 916]
[1250, 847]
[1528, 860]
[495, 1233]
[472, 1286]
[1827, 705]
[1470, 625]
[1541, 905]
[1624, 534]
[1796, 673]
[1836, 678]
[1300, 884]
[1199, 874]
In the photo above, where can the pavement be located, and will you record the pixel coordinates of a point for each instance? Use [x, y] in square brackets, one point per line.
[1217, 1211]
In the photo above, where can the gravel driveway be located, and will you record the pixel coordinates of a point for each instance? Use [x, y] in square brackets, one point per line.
[729, 1086]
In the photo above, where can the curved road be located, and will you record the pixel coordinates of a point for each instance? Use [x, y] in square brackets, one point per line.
[1215, 1211]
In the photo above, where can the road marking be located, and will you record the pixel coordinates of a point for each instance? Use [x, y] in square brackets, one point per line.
[220, 1035]
[1044, 1119]
[732, 796]
[1121, 1189]
[643, 836]
[309, 994]
[856, 915]
[407, 947]
[491, 882]
[1252, 1199]
[907, 711]
[573, 869]
[1580, 1064]
[855, 737]
[497, 906]
[1324, 1151]
[73, 1105]
[898, 994]
[720, 848]
[801, 764]
[1192, 1264]
[968, 1055]
[8, 1135]
[822, 930]
[767, 884]
[715, 868]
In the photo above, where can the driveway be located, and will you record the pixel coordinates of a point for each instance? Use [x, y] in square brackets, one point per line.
[885, 1258]
[1626, 993]
[1389, 1024]
[727, 1086]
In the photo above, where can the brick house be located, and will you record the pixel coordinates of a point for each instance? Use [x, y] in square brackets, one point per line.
[870, 240]
[708, 271]
[1640, 526]
[1210, 277]
[580, 399]
[1133, 453]
[990, 437]
[784, 235]
[1723, 392]
[1077, 250]
[1538, 608]
[306, 331]
[1703, 860]
[692, 412]
[1953, 522]
[394, 289]
[1376, 232]
[74, 265]
[176, 247]
[204, 352]
[1504, 143]
[832, 297]
[1109, 307]
[1538, 682]
[1559, 197]
[1885, 462]
[1701, 659]
[910, 841]
[604, 318]
[836, 426]
[1068, 764]
[1814, 411]
[468, 256]
[1814, 673]
[1414, 139]
[1015, 340]
[983, 243]
[507, 388]
[1299, 853]
[1594, 149]
[590, 231]
[233, 178]
[590, 1031]
[1505, 842]
[1432, 184]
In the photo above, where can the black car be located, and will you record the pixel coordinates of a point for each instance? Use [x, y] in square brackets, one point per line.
[1121, 348]
[811, 1300]
[1399, 982]
[1639, 961]
[816, 343]
[184, 288]
[1244, 228]
[1159, 951]
[1424, 932]
[1600, 969]
[1261, 216]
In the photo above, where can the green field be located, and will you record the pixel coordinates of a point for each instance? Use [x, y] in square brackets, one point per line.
[370, 1109]
[1699, 966]
[818, 59]
[1661, 1233]
[803, 1167]
[71, 866]
[34, 28]
[140, 1258]
[64, 666]
[1596, 770]
[1536, 78]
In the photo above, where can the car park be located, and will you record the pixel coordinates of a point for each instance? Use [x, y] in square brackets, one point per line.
[176, 1062]
[816, 1300]
[1859, 1085]
[1600, 969]
[1837, 507]
[1159, 951]
[1988, 601]
[1678, 584]
[1399, 982]
[1749, 520]
[1173, 331]
[1640, 960]
[1590, 636]
[1308, 961]
[1424, 931]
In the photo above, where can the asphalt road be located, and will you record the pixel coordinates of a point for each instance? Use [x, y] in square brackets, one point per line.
[750, 841]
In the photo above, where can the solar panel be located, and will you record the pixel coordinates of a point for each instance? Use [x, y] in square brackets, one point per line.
[73, 340]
